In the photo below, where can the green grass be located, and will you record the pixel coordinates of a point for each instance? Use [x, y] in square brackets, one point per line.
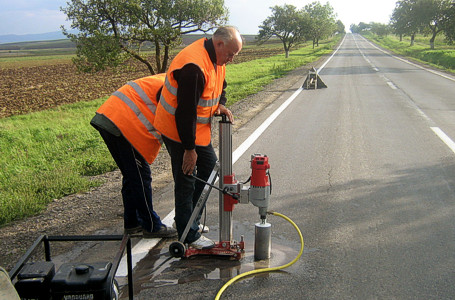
[4, 58]
[443, 56]
[37, 49]
[49, 154]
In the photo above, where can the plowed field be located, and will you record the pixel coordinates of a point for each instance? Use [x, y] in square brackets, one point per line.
[31, 86]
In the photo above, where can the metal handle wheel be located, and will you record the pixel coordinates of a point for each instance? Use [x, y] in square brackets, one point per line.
[177, 249]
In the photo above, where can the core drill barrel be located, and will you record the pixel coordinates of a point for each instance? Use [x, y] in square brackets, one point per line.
[262, 240]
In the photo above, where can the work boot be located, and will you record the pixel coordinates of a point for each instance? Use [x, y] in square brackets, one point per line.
[133, 230]
[203, 228]
[163, 232]
[203, 243]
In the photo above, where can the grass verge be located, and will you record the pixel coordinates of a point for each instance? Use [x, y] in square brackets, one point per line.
[49, 154]
[443, 56]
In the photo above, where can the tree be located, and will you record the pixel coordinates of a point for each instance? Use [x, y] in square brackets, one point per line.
[287, 24]
[432, 15]
[404, 21]
[426, 16]
[340, 28]
[363, 27]
[112, 31]
[322, 21]
[449, 24]
[379, 29]
[354, 28]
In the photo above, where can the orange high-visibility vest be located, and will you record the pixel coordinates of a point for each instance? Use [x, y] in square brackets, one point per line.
[132, 109]
[208, 102]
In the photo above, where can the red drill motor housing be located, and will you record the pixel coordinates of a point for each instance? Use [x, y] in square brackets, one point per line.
[260, 185]
[259, 166]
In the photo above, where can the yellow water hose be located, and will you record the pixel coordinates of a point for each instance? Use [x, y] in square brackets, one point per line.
[266, 269]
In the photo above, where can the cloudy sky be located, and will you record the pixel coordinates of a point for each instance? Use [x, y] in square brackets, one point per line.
[41, 16]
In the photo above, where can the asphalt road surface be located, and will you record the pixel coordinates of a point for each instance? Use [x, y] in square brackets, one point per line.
[365, 168]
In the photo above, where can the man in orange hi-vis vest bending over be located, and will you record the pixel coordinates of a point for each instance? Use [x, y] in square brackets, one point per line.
[194, 90]
[125, 122]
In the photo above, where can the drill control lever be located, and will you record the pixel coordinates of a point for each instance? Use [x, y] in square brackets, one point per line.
[224, 191]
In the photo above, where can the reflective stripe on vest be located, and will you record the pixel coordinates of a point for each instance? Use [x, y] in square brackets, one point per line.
[202, 103]
[143, 96]
[138, 112]
[132, 109]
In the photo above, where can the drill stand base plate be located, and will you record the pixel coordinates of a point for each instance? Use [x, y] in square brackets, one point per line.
[234, 251]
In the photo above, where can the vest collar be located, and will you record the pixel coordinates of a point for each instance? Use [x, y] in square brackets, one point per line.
[208, 45]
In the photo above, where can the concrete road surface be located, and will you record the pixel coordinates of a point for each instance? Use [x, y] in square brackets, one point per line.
[366, 169]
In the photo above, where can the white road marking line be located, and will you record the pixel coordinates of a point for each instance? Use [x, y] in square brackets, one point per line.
[392, 86]
[448, 141]
[366, 58]
[333, 54]
[142, 248]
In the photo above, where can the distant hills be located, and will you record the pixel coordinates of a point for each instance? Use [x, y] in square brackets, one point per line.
[58, 35]
[14, 38]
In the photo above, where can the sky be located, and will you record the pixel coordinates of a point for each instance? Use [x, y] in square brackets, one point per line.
[41, 16]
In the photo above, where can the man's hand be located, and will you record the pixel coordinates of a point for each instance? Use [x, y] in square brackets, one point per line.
[189, 161]
[222, 110]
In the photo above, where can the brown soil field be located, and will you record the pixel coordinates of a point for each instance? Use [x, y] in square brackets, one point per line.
[38, 85]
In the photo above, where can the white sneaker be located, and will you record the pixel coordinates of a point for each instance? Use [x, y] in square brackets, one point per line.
[203, 228]
[203, 243]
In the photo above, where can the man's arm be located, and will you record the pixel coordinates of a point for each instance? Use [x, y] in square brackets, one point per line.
[190, 86]
[222, 106]
[223, 98]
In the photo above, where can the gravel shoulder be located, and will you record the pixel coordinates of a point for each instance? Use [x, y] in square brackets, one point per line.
[99, 211]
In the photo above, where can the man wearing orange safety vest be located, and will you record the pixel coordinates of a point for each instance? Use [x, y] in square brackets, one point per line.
[194, 90]
[125, 122]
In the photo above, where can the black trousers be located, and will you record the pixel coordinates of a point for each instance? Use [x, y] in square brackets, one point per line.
[186, 189]
[136, 183]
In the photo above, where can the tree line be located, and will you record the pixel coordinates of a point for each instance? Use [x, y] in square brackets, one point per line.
[293, 26]
[109, 32]
[410, 17]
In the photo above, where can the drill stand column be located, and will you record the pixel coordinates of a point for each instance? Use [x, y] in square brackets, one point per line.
[226, 247]
[225, 153]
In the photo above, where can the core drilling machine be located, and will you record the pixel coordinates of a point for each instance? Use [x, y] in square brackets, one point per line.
[232, 192]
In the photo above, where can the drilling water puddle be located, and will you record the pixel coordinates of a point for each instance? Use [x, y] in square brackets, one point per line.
[159, 269]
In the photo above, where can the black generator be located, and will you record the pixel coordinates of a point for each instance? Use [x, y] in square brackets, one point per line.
[72, 281]
[84, 281]
[34, 280]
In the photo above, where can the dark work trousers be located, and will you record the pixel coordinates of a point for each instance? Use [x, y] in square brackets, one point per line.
[187, 190]
[136, 183]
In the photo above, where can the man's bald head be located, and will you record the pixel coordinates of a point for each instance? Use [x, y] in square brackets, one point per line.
[227, 42]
